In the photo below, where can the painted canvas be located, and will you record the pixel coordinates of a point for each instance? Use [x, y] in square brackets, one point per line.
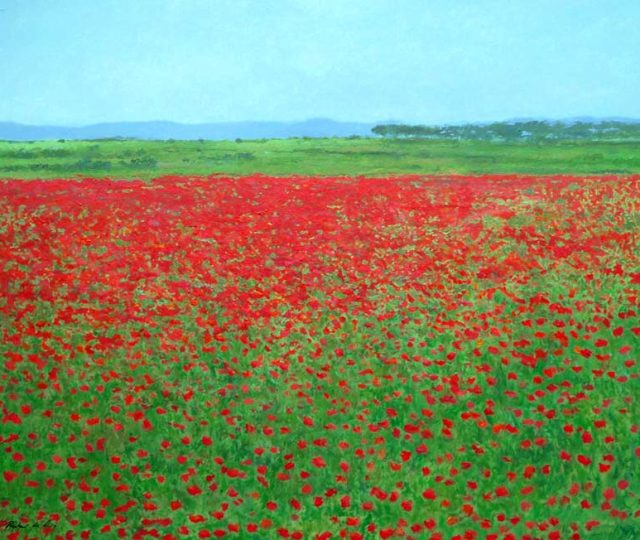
[319, 269]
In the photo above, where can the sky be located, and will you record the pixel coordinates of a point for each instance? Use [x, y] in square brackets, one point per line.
[78, 62]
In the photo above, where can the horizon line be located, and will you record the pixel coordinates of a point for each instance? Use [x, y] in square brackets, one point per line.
[579, 118]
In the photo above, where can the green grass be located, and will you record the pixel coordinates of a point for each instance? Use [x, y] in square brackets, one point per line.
[348, 157]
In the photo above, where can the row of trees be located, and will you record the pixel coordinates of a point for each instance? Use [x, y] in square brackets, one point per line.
[516, 131]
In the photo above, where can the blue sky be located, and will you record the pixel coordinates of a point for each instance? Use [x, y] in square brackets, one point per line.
[77, 62]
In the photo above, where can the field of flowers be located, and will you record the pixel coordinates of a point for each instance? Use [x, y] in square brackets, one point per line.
[298, 357]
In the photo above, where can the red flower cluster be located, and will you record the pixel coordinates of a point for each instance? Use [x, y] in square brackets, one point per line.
[320, 357]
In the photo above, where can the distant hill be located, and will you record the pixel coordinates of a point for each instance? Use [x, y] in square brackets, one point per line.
[573, 129]
[522, 129]
[319, 127]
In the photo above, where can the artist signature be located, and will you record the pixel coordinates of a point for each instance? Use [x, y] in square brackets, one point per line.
[15, 524]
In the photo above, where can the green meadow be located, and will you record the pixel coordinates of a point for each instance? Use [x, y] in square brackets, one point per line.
[329, 157]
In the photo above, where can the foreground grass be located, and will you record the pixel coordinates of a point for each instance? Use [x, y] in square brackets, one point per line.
[348, 157]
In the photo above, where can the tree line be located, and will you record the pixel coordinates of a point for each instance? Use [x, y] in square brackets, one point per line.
[533, 130]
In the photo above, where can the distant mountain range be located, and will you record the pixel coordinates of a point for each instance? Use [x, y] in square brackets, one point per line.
[319, 127]
[515, 129]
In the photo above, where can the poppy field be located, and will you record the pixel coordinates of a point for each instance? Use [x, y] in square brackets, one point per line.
[418, 357]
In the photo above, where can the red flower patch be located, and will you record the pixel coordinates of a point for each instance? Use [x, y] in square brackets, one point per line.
[295, 357]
